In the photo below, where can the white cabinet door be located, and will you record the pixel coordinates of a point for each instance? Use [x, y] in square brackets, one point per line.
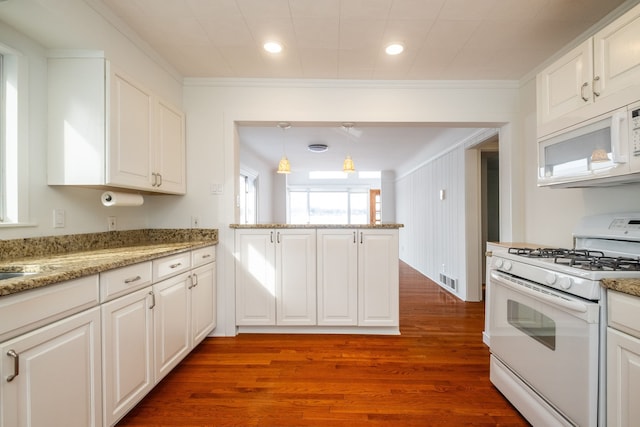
[623, 379]
[337, 277]
[296, 277]
[255, 277]
[378, 278]
[617, 57]
[127, 338]
[566, 85]
[203, 302]
[58, 381]
[171, 323]
[170, 149]
[130, 161]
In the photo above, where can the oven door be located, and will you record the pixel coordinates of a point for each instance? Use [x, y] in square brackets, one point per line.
[550, 341]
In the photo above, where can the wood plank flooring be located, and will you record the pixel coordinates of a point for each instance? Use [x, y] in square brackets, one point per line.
[436, 373]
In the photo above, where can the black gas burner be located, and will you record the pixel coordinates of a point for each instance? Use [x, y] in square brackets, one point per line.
[581, 258]
[538, 252]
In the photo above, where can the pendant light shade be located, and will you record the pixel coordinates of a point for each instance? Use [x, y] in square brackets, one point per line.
[284, 166]
[347, 165]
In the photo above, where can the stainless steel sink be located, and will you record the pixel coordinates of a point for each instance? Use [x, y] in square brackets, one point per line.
[11, 274]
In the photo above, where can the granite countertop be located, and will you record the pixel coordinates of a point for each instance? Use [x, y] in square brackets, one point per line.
[60, 258]
[627, 286]
[328, 226]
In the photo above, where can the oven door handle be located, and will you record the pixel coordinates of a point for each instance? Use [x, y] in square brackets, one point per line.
[572, 305]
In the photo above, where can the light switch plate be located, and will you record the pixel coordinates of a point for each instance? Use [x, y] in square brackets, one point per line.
[58, 218]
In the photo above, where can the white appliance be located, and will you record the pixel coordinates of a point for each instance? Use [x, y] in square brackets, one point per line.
[547, 321]
[602, 151]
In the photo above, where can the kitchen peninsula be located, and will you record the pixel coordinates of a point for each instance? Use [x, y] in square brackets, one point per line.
[317, 278]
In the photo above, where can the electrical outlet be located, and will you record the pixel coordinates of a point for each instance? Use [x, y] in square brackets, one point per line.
[195, 222]
[111, 223]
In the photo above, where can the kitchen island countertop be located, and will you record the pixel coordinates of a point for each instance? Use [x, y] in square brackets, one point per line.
[56, 259]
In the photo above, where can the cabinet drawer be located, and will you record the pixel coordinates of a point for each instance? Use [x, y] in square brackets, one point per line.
[26, 311]
[121, 281]
[203, 256]
[623, 313]
[171, 265]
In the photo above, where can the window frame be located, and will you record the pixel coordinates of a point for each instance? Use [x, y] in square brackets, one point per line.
[360, 189]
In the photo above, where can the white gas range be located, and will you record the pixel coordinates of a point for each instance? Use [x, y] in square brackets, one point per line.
[547, 320]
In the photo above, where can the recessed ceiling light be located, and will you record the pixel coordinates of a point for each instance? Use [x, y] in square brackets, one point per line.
[273, 47]
[394, 49]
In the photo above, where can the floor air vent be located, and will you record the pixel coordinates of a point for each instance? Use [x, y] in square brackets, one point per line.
[449, 282]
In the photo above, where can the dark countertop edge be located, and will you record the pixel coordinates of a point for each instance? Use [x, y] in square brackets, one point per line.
[49, 275]
[323, 226]
[626, 286]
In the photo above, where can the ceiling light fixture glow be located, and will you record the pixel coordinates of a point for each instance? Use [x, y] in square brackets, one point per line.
[394, 49]
[273, 47]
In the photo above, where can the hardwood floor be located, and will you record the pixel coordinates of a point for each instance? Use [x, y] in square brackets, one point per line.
[436, 373]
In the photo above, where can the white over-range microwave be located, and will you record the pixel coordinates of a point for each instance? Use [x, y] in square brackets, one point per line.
[599, 152]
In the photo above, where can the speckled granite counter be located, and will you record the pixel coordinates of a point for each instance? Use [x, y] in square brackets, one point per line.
[58, 258]
[370, 226]
[627, 286]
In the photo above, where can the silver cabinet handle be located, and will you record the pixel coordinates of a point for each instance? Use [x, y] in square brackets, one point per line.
[354, 237]
[205, 256]
[191, 280]
[155, 179]
[176, 265]
[153, 300]
[160, 176]
[361, 237]
[16, 365]
[196, 277]
[271, 236]
[596, 79]
[584, 85]
[278, 239]
[132, 279]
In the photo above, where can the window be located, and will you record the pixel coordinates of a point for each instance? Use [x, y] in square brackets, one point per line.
[348, 206]
[248, 198]
[13, 143]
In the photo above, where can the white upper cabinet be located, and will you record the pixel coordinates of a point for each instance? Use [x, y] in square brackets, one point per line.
[600, 75]
[107, 130]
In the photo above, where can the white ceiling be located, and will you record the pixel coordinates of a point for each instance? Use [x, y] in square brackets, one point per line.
[345, 39]
[331, 39]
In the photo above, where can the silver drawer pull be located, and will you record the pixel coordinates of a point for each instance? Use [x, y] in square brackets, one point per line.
[206, 256]
[16, 365]
[132, 279]
[153, 300]
[176, 265]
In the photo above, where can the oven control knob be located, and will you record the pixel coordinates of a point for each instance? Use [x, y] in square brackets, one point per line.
[550, 279]
[565, 282]
[507, 265]
[498, 262]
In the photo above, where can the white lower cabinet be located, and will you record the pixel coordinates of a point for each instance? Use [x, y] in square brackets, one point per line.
[623, 360]
[324, 277]
[378, 278]
[337, 277]
[146, 333]
[275, 277]
[52, 376]
[171, 323]
[127, 335]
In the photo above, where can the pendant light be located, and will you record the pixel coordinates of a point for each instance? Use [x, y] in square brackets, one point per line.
[347, 165]
[284, 166]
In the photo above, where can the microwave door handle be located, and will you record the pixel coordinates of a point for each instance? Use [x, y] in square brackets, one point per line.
[619, 137]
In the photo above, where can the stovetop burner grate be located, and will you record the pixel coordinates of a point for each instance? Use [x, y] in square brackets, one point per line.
[581, 258]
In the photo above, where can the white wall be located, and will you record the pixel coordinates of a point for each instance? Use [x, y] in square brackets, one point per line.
[214, 106]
